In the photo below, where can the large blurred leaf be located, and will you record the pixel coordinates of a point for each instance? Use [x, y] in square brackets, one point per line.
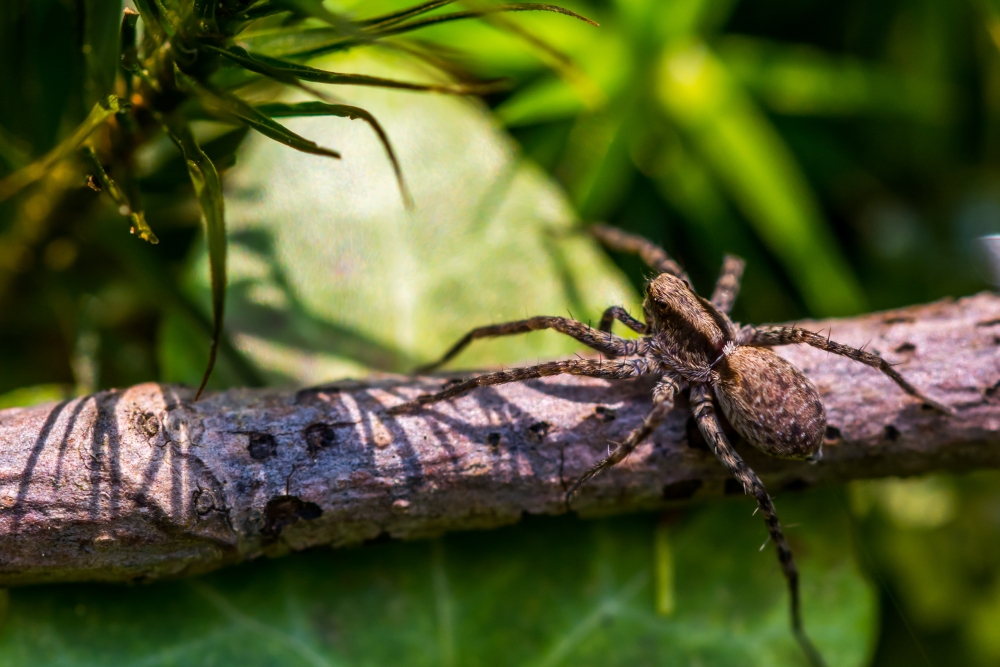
[331, 275]
[546, 593]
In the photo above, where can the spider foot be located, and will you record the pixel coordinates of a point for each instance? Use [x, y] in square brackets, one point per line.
[403, 408]
[604, 464]
[940, 407]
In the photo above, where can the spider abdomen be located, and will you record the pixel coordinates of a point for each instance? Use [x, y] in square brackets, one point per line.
[771, 403]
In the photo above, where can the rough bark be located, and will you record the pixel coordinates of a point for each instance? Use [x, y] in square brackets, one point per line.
[141, 483]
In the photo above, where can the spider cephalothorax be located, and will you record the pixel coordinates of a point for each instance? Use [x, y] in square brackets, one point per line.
[766, 399]
[689, 342]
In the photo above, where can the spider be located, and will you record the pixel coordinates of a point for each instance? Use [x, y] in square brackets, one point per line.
[690, 343]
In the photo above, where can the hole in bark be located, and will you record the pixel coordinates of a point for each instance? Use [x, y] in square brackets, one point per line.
[538, 431]
[906, 347]
[283, 511]
[262, 446]
[203, 501]
[892, 433]
[605, 414]
[493, 440]
[990, 392]
[832, 434]
[319, 437]
[149, 424]
[898, 320]
[681, 490]
[733, 488]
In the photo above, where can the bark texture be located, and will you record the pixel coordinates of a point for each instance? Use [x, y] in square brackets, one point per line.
[141, 483]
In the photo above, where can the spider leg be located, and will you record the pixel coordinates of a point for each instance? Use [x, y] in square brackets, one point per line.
[616, 370]
[653, 255]
[618, 313]
[663, 402]
[727, 287]
[776, 335]
[602, 341]
[708, 424]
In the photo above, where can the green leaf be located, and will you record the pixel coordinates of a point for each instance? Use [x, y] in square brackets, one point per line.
[317, 9]
[283, 110]
[478, 13]
[19, 180]
[544, 101]
[208, 191]
[396, 17]
[312, 42]
[229, 107]
[287, 72]
[550, 592]
[155, 32]
[697, 92]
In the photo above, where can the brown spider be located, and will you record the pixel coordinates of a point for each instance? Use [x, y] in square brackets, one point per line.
[690, 342]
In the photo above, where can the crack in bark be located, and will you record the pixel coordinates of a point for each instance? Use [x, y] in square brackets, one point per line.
[157, 486]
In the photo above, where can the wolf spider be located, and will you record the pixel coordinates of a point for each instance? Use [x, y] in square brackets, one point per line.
[689, 342]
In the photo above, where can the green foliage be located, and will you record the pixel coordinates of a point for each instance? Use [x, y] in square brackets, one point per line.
[848, 150]
[186, 45]
[549, 592]
[820, 143]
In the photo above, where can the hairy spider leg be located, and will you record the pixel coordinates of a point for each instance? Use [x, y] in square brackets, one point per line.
[612, 370]
[618, 313]
[727, 287]
[602, 341]
[776, 335]
[708, 424]
[663, 402]
[652, 254]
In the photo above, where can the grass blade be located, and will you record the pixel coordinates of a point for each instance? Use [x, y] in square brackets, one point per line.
[281, 110]
[19, 180]
[138, 218]
[320, 41]
[208, 190]
[316, 9]
[479, 13]
[403, 14]
[229, 106]
[285, 71]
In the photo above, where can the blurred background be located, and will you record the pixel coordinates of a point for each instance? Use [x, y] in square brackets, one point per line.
[850, 151]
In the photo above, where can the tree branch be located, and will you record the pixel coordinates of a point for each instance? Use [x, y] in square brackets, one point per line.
[142, 483]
